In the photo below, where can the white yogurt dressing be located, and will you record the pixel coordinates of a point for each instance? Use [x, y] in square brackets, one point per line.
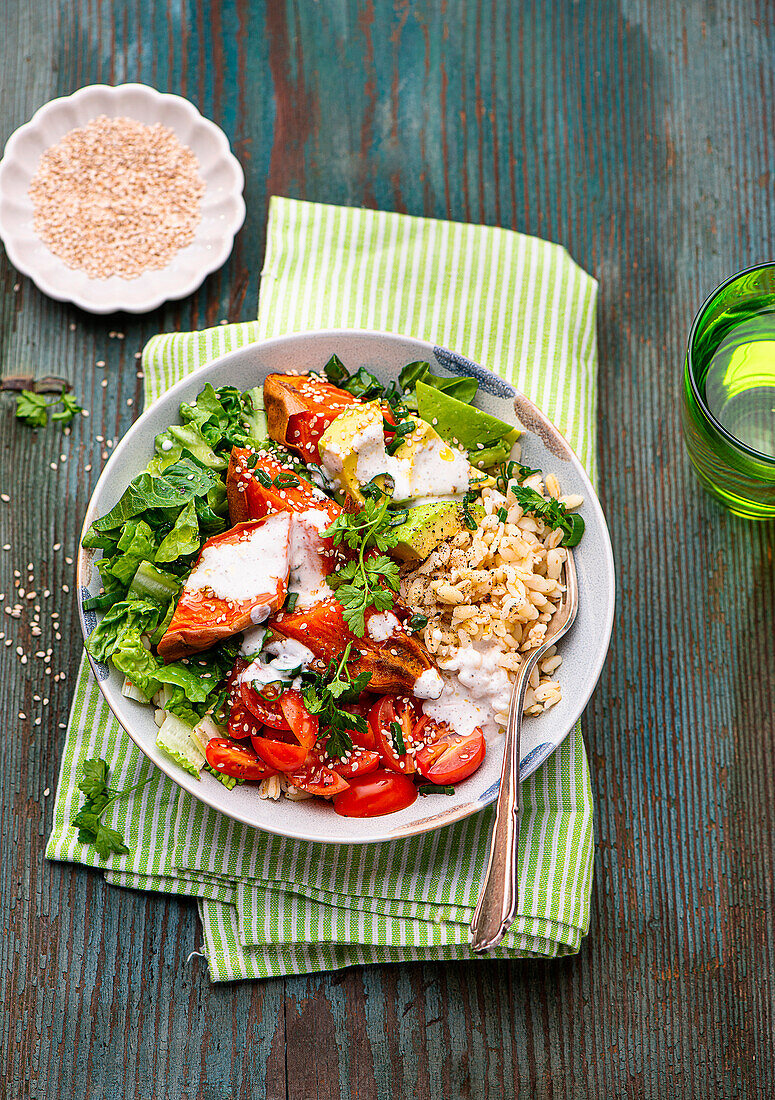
[252, 641]
[475, 686]
[248, 568]
[429, 685]
[306, 577]
[382, 626]
[286, 656]
[433, 468]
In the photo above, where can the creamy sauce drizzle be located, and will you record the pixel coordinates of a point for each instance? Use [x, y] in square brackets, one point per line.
[249, 568]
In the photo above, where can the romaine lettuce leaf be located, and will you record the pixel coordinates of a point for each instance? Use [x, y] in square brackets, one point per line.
[134, 616]
[183, 539]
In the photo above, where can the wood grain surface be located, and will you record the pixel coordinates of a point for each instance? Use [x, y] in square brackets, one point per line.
[638, 133]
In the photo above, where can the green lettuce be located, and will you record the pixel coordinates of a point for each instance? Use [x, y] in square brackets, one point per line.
[183, 539]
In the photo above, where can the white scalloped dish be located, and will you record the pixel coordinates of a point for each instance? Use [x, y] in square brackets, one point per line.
[223, 208]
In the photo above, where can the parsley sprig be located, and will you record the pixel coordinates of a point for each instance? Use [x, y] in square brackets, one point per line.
[552, 512]
[33, 408]
[365, 581]
[324, 692]
[99, 796]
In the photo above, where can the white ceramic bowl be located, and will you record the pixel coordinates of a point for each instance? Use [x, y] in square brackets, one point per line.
[223, 209]
[583, 651]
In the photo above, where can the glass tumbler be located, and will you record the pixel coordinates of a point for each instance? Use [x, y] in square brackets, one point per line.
[729, 393]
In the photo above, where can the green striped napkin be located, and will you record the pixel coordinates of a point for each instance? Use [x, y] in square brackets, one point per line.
[271, 906]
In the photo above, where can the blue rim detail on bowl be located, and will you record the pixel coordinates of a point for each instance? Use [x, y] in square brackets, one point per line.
[467, 368]
[90, 623]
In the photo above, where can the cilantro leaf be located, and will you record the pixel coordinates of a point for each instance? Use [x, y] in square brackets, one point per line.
[322, 694]
[95, 778]
[552, 512]
[366, 581]
[107, 841]
[70, 408]
[32, 409]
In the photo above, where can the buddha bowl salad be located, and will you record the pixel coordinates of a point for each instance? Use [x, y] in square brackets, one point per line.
[326, 586]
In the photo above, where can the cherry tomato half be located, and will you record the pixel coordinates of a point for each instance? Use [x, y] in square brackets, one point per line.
[303, 724]
[237, 760]
[360, 762]
[280, 755]
[242, 724]
[385, 711]
[317, 778]
[267, 713]
[380, 792]
[447, 757]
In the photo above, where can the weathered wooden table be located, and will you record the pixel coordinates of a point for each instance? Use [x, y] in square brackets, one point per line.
[639, 134]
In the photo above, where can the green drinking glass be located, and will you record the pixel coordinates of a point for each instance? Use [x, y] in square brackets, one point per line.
[729, 393]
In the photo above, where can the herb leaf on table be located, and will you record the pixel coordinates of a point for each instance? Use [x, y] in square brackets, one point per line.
[98, 798]
[32, 409]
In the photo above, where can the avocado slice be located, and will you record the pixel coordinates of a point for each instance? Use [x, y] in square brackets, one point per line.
[465, 425]
[429, 524]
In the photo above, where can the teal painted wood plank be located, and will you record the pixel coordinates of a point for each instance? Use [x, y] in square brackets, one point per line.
[639, 135]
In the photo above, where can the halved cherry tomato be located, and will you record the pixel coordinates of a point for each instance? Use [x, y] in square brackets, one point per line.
[391, 709]
[380, 792]
[281, 755]
[242, 724]
[317, 778]
[266, 712]
[447, 756]
[303, 724]
[237, 760]
[359, 762]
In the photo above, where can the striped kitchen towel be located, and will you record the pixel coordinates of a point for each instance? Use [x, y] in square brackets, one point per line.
[271, 906]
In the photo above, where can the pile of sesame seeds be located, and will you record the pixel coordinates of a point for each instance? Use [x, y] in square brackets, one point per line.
[117, 197]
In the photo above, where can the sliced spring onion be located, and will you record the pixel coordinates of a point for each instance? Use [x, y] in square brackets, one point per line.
[398, 738]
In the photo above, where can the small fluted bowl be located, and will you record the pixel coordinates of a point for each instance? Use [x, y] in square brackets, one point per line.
[222, 209]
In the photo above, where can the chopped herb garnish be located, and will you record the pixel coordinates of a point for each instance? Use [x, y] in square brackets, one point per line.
[397, 735]
[434, 788]
[286, 481]
[99, 796]
[513, 471]
[264, 479]
[365, 582]
[417, 622]
[468, 519]
[290, 603]
[502, 515]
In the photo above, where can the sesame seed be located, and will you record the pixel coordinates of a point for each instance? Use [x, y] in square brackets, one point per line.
[4, 497]
[159, 199]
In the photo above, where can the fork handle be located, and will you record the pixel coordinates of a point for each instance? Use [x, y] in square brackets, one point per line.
[498, 895]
